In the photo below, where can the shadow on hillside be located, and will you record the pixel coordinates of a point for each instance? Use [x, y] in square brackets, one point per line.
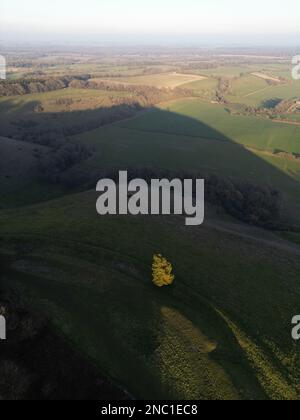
[153, 338]
[158, 140]
[271, 103]
[161, 140]
[28, 122]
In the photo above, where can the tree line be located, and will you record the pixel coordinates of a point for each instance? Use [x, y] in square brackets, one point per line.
[144, 95]
[246, 201]
[35, 85]
[53, 163]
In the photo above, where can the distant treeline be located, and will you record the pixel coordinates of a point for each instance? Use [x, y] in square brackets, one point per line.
[274, 108]
[248, 202]
[27, 86]
[151, 94]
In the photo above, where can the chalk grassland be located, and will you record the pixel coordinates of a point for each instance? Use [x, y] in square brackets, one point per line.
[246, 86]
[235, 70]
[19, 183]
[94, 280]
[256, 93]
[248, 131]
[169, 80]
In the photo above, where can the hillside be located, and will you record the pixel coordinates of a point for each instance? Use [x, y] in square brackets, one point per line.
[18, 164]
[192, 136]
[231, 301]
[223, 329]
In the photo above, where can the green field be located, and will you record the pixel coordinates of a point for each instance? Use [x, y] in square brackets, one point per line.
[206, 88]
[246, 85]
[226, 71]
[284, 91]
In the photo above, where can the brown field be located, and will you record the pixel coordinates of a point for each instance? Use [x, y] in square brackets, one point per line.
[168, 80]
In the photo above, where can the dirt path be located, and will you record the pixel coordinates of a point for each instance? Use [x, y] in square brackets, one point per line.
[257, 91]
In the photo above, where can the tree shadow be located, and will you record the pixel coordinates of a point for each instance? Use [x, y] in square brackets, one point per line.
[271, 103]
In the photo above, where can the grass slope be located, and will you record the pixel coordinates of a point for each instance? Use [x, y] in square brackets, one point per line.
[222, 331]
[18, 175]
[283, 92]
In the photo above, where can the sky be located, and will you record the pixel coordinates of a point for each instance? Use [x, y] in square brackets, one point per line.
[156, 18]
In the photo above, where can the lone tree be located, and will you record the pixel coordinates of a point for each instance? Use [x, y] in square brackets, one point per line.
[162, 271]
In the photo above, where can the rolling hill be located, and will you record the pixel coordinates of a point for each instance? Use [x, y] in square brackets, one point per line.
[231, 301]
[223, 329]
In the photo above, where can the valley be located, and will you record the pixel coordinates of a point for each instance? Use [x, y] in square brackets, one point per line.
[223, 330]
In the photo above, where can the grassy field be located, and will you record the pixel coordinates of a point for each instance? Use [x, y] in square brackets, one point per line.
[206, 88]
[18, 164]
[231, 300]
[289, 90]
[180, 152]
[246, 85]
[169, 80]
[55, 101]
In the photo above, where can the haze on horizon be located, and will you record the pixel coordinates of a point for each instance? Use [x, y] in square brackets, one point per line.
[133, 21]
